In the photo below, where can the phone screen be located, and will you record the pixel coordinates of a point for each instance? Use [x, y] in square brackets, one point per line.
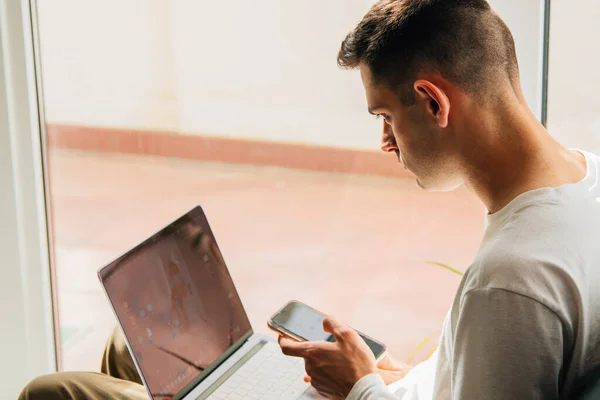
[307, 323]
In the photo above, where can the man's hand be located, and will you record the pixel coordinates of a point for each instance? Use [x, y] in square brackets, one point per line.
[333, 367]
[392, 370]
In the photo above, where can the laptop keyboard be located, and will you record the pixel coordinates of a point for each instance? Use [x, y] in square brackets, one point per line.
[267, 375]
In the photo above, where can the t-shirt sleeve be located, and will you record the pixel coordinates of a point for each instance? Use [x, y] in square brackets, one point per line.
[371, 387]
[416, 385]
[506, 346]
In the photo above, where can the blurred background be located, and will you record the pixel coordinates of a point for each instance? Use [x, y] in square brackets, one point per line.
[150, 107]
[154, 106]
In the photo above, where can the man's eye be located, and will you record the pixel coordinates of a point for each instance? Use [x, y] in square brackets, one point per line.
[386, 118]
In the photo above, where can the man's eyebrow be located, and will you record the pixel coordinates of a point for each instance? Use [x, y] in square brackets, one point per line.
[375, 110]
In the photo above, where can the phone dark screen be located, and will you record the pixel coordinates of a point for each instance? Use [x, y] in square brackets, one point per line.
[307, 324]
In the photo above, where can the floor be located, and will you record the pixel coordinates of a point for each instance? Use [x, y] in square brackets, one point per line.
[352, 246]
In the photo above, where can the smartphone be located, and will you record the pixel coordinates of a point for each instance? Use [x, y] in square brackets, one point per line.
[303, 323]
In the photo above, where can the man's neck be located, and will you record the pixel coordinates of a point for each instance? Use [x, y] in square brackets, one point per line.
[517, 155]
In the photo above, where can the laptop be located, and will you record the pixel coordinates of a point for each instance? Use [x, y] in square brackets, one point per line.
[185, 325]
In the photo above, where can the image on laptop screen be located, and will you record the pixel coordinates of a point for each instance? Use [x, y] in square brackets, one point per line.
[176, 303]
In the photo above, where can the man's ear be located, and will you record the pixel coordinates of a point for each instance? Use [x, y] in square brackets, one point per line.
[438, 103]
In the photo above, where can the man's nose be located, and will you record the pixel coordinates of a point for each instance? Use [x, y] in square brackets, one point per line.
[388, 142]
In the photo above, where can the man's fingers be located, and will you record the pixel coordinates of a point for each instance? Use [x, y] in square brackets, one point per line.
[390, 377]
[337, 329]
[292, 348]
[389, 363]
[332, 325]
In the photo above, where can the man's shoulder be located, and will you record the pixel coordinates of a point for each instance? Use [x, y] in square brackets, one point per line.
[508, 268]
[536, 246]
[502, 267]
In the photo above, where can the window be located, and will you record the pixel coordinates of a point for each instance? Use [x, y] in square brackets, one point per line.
[238, 106]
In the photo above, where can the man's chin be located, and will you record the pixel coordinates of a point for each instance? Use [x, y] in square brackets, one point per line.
[436, 188]
[428, 188]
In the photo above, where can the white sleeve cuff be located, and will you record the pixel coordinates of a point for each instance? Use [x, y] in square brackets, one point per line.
[371, 386]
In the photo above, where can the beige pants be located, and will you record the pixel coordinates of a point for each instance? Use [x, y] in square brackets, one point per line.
[118, 379]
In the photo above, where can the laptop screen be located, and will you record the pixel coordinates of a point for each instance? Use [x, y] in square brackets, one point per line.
[176, 304]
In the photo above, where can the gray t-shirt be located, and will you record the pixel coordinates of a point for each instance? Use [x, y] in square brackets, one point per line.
[525, 322]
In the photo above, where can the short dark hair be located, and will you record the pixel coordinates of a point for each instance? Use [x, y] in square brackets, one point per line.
[464, 41]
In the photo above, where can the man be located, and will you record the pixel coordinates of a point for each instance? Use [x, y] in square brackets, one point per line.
[525, 322]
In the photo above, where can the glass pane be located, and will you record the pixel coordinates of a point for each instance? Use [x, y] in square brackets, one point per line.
[153, 107]
[573, 112]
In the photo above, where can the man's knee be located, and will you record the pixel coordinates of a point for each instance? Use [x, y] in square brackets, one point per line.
[116, 360]
[49, 387]
[80, 386]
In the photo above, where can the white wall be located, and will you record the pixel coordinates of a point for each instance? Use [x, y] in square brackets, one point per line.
[574, 81]
[235, 68]
[253, 69]
[267, 69]
[108, 62]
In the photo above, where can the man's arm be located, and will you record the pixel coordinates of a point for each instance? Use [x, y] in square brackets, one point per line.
[506, 346]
